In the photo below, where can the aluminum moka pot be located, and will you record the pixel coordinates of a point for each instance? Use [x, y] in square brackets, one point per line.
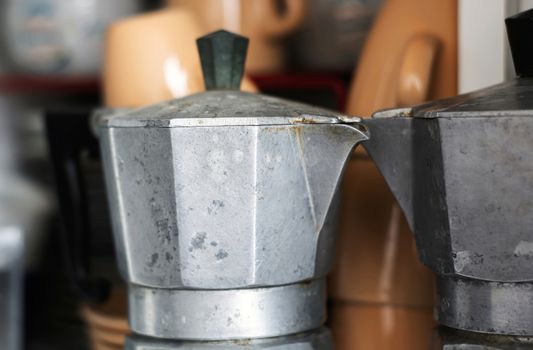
[224, 208]
[461, 169]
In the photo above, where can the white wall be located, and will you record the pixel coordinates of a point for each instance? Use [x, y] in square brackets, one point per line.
[484, 57]
[525, 5]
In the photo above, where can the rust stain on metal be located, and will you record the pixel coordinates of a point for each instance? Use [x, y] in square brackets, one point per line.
[306, 284]
[242, 342]
[305, 120]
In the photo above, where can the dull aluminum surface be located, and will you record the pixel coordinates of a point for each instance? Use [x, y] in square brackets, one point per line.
[227, 314]
[225, 207]
[495, 101]
[465, 180]
[450, 339]
[217, 195]
[487, 307]
[319, 339]
[462, 171]
[224, 108]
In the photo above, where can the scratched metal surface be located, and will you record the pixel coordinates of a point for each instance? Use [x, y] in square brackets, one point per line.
[319, 339]
[215, 197]
[227, 314]
[225, 207]
[224, 108]
[212, 205]
[486, 307]
[462, 171]
[450, 339]
[464, 181]
[509, 98]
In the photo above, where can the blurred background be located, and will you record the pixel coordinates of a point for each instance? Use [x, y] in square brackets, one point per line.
[62, 60]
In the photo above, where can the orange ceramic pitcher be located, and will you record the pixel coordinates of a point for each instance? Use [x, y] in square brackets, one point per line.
[152, 57]
[382, 297]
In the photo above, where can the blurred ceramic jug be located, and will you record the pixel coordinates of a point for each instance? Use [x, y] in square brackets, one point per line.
[265, 22]
[57, 36]
[159, 64]
[382, 297]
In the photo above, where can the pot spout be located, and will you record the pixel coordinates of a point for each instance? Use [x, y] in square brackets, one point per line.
[390, 147]
[324, 152]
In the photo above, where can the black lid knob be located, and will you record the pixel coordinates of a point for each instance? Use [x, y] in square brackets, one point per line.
[520, 36]
[222, 55]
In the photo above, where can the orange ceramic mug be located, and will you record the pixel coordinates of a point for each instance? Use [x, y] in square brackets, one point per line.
[150, 58]
[265, 22]
[153, 57]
